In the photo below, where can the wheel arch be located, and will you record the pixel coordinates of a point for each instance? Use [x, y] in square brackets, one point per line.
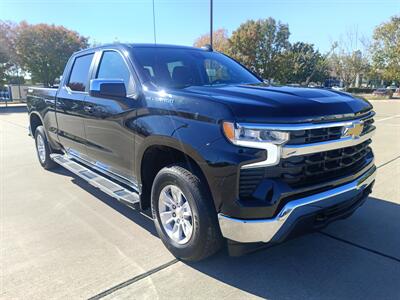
[35, 120]
[159, 152]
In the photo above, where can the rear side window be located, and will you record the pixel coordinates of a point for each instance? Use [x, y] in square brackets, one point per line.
[113, 66]
[80, 73]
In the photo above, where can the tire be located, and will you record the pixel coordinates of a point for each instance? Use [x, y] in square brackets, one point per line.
[43, 149]
[205, 237]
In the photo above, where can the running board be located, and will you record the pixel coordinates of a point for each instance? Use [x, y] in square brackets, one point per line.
[106, 185]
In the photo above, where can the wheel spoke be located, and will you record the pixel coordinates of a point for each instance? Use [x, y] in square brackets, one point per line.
[187, 228]
[175, 228]
[166, 217]
[187, 214]
[176, 195]
[167, 200]
[186, 206]
[177, 231]
[180, 232]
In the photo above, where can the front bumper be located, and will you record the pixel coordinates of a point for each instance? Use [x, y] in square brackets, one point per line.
[275, 229]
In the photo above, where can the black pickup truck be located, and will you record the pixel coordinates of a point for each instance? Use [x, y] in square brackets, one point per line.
[213, 150]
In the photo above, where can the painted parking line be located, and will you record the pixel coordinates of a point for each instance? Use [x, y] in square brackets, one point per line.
[388, 118]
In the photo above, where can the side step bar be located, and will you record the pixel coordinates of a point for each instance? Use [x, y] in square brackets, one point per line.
[106, 185]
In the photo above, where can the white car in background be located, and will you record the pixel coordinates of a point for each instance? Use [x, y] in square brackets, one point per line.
[338, 88]
[393, 88]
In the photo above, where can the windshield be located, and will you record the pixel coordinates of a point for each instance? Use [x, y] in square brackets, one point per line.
[179, 68]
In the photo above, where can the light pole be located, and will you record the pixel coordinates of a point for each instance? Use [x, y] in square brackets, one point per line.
[211, 23]
[154, 24]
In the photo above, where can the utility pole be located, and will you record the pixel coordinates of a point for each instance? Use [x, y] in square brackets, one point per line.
[154, 24]
[211, 23]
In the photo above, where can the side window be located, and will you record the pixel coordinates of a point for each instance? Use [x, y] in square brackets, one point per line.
[112, 66]
[80, 73]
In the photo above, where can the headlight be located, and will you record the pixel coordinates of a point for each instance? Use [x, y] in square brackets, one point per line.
[257, 137]
[246, 135]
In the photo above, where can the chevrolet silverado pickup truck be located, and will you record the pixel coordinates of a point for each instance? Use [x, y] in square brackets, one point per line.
[217, 155]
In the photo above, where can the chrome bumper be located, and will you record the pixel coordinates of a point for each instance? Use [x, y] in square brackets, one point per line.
[268, 230]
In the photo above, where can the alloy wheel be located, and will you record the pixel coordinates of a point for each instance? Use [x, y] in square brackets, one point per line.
[175, 214]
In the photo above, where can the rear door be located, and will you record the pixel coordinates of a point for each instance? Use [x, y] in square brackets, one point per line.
[70, 105]
[110, 140]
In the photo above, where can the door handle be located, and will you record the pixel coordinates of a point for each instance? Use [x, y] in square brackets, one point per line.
[88, 108]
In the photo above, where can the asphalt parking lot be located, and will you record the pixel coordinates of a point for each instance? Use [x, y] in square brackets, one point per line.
[60, 238]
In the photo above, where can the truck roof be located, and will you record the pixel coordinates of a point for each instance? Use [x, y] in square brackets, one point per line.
[137, 45]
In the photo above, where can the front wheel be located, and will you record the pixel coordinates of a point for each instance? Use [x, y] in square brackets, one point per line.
[184, 214]
[43, 149]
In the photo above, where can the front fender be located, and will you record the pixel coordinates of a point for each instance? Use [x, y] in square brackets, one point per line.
[203, 142]
[188, 136]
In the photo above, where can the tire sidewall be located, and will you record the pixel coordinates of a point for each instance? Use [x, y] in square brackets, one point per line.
[48, 163]
[193, 195]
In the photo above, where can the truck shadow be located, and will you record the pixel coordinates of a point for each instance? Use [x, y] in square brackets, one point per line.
[142, 219]
[354, 258]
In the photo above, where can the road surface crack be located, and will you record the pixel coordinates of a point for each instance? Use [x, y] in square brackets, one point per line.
[360, 247]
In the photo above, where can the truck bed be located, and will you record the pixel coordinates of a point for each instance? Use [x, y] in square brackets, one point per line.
[40, 99]
[48, 93]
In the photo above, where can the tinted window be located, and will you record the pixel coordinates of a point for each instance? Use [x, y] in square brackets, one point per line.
[112, 66]
[80, 71]
[179, 68]
[216, 71]
[171, 66]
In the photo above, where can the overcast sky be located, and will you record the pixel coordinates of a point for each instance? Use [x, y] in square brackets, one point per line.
[179, 22]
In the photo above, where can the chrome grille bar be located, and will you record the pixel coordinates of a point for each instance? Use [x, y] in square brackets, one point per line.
[295, 150]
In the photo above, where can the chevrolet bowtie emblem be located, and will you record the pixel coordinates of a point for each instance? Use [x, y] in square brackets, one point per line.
[354, 130]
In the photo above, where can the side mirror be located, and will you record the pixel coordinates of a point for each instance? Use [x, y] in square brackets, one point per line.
[105, 88]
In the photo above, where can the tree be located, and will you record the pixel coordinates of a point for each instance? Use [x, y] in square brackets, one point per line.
[43, 49]
[8, 61]
[347, 66]
[301, 63]
[259, 45]
[386, 49]
[347, 61]
[220, 40]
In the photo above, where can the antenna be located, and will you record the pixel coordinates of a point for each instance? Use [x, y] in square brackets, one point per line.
[211, 23]
[154, 24]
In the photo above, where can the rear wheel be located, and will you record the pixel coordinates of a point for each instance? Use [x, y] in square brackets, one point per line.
[184, 214]
[43, 149]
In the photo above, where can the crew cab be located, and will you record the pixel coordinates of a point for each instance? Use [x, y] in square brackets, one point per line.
[216, 153]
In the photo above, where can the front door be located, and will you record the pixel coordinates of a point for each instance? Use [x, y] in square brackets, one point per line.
[110, 142]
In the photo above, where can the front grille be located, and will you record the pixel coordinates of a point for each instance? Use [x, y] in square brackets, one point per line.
[308, 170]
[368, 125]
[309, 136]
[300, 137]
[314, 168]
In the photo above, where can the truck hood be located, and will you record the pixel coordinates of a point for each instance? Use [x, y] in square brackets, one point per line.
[260, 103]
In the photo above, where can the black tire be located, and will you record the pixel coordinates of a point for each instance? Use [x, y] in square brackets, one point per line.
[46, 162]
[206, 238]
